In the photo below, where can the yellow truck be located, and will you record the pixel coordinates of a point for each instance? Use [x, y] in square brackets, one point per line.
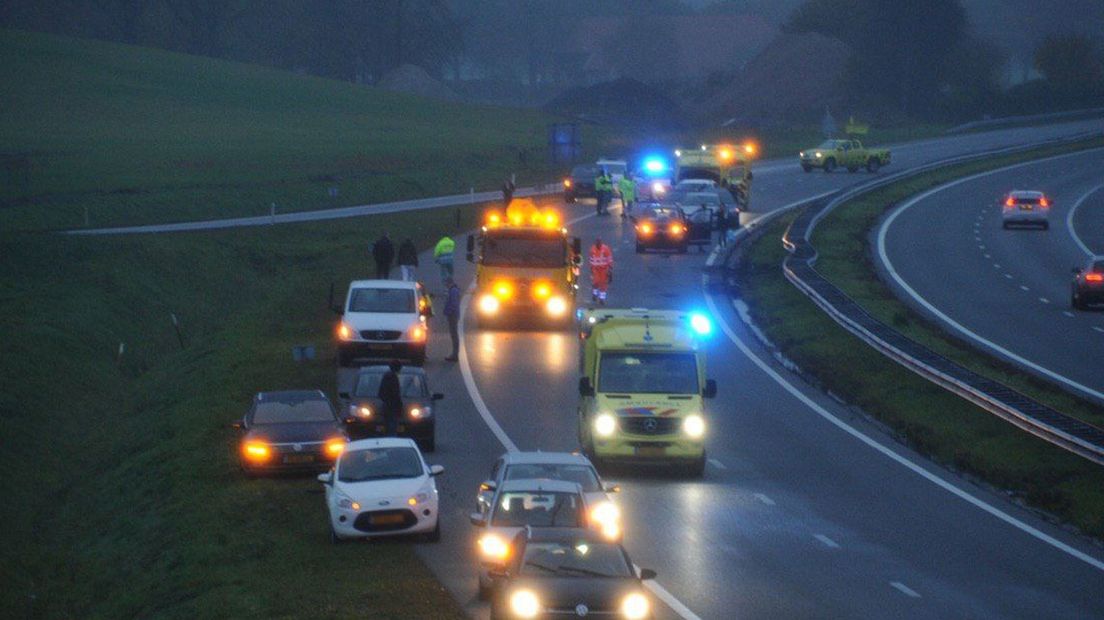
[643, 389]
[526, 265]
[727, 165]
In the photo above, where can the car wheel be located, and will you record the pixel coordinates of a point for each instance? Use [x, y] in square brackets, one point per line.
[343, 359]
[872, 165]
[829, 165]
[806, 167]
[1075, 303]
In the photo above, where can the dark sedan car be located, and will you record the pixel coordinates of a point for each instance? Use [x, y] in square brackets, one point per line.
[661, 226]
[580, 184]
[1088, 284]
[361, 407]
[290, 431]
[558, 572]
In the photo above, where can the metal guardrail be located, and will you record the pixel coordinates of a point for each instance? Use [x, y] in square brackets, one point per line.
[1040, 420]
[1027, 118]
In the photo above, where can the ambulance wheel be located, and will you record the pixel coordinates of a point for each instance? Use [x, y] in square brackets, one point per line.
[696, 469]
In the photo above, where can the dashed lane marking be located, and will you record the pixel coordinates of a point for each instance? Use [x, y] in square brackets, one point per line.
[717, 464]
[828, 542]
[763, 498]
[903, 589]
[1024, 288]
[1067, 313]
[1044, 300]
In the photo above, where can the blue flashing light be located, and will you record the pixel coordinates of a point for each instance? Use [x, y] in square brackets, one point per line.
[701, 324]
[655, 165]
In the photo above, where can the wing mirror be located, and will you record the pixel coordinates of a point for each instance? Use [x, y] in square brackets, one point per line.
[710, 390]
[476, 519]
[437, 396]
[436, 470]
[611, 488]
[326, 478]
[647, 574]
[487, 485]
[498, 572]
[585, 388]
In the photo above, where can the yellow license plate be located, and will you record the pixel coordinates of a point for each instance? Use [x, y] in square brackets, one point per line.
[650, 451]
[1026, 207]
[299, 458]
[385, 519]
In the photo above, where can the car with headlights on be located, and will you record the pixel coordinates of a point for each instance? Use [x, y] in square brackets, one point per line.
[287, 431]
[382, 487]
[520, 504]
[1025, 208]
[557, 572]
[580, 183]
[566, 466]
[383, 320]
[1088, 284]
[362, 406]
[661, 227]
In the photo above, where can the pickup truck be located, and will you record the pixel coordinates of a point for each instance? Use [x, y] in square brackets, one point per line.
[850, 154]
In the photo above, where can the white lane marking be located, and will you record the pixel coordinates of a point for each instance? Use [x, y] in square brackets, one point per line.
[996, 265]
[484, 412]
[962, 329]
[828, 542]
[1044, 300]
[1024, 288]
[1069, 220]
[901, 460]
[717, 464]
[988, 256]
[1099, 329]
[1067, 313]
[763, 498]
[1008, 275]
[907, 591]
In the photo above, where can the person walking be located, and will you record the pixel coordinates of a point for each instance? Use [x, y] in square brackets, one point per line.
[722, 225]
[601, 271]
[390, 393]
[627, 187]
[603, 189]
[408, 259]
[452, 314]
[508, 189]
[383, 251]
[443, 256]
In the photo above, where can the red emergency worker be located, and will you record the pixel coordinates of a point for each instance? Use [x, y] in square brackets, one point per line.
[601, 271]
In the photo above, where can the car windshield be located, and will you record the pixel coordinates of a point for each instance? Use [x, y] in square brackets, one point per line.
[701, 198]
[413, 385]
[584, 172]
[397, 300]
[575, 559]
[648, 373]
[664, 213]
[581, 474]
[613, 168]
[505, 250]
[538, 509]
[829, 145]
[379, 464]
[293, 413]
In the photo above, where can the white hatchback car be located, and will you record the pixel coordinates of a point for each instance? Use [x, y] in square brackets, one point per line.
[1028, 208]
[382, 487]
[382, 320]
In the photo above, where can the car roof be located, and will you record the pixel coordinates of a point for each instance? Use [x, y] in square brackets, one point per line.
[541, 485]
[290, 396]
[382, 442]
[539, 458]
[378, 368]
[383, 284]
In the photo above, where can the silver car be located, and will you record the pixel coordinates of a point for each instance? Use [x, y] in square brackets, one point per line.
[1026, 208]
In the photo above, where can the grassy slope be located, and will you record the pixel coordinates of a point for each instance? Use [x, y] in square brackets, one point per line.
[140, 135]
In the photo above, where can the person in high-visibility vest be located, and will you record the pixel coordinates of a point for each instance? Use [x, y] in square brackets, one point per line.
[601, 271]
[603, 187]
[628, 194]
[442, 255]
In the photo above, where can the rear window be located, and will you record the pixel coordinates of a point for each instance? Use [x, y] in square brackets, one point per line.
[581, 474]
[291, 413]
[396, 300]
[538, 509]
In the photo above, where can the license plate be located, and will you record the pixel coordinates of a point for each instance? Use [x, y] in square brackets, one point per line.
[385, 519]
[1026, 207]
[299, 458]
[380, 347]
[650, 451]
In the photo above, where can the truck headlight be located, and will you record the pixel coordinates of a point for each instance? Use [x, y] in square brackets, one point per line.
[525, 604]
[360, 411]
[489, 304]
[819, 154]
[605, 424]
[344, 332]
[635, 606]
[694, 426]
[557, 306]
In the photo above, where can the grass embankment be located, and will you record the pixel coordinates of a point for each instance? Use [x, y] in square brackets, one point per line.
[139, 135]
[937, 423]
[122, 495]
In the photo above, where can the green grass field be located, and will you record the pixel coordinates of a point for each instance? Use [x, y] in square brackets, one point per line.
[139, 135]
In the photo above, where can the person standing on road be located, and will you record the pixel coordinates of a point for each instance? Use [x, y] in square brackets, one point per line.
[383, 251]
[627, 187]
[443, 256]
[390, 392]
[722, 226]
[452, 314]
[601, 271]
[603, 189]
[408, 259]
[508, 188]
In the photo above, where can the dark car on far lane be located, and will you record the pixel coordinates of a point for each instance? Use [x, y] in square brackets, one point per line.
[290, 431]
[1088, 284]
[580, 183]
[661, 227]
[362, 413]
[562, 572]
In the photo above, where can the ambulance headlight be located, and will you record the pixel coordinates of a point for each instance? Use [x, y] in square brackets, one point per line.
[605, 424]
[694, 426]
[489, 304]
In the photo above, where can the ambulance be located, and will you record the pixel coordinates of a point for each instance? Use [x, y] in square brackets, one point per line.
[729, 166]
[643, 389]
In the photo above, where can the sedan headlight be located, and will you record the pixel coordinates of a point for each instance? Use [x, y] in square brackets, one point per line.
[256, 451]
[346, 503]
[493, 547]
[605, 424]
[607, 516]
[819, 154]
[345, 332]
[421, 412]
[635, 606]
[334, 447]
[420, 498]
[694, 426]
[360, 411]
[525, 604]
[801, 154]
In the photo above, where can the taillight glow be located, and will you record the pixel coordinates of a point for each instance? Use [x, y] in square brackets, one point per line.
[567, 182]
[1010, 203]
[542, 290]
[1044, 203]
[1094, 277]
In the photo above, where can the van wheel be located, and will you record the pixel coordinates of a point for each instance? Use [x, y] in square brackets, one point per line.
[829, 165]
[872, 165]
[697, 468]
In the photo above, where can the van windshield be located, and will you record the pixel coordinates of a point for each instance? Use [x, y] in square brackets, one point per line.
[505, 250]
[648, 373]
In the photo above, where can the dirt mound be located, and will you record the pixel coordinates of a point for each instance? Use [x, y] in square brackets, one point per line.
[794, 77]
[416, 81]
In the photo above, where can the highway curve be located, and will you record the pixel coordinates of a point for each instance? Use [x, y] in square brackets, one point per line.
[1010, 288]
[806, 509]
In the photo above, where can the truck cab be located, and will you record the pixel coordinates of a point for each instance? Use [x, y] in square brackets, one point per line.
[643, 389]
[726, 165]
[526, 265]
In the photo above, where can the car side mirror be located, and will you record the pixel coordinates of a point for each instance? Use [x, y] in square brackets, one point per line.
[710, 390]
[611, 488]
[498, 572]
[437, 396]
[647, 574]
[436, 470]
[585, 388]
[476, 519]
[326, 478]
[487, 485]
